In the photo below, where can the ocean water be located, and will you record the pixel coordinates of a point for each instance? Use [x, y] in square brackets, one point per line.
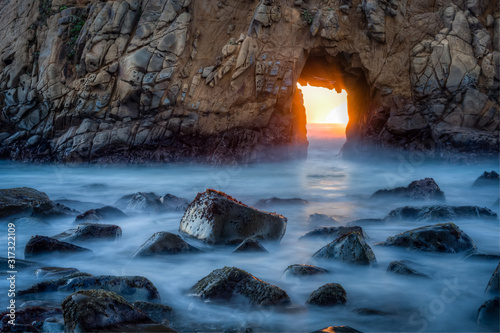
[448, 302]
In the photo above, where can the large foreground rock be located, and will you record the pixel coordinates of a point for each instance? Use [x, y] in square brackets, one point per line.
[439, 213]
[158, 312]
[328, 295]
[164, 243]
[27, 316]
[487, 179]
[493, 286]
[423, 189]
[25, 201]
[350, 248]
[132, 288]
[105, 311]
[151, 203]
[230, 284]
[106, 213]
[90, 231]
[442, 237]
[215, 217]
[41, 245]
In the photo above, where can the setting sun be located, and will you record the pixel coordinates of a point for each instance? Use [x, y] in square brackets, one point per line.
[324, 106]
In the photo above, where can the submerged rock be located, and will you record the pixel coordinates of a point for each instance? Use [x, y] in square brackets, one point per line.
[164, 243]
[229, 283]
[149, 202]
[40, 245]
[489, 313]
[331, 233]
[439, 213]
[350, 248]
[215, 217]
[302, 270]
[321, 219]
[133, 288]
[402, 267]
[441, 237]
[25, 201]
[487, 179]
[50, 273]
[90, 231]
[370, 312]
[473, 255]
[328, 295]
[102, 310]
[250, 245]
[493, 286]
[26, 317]
[158, 312]
[81, 206]
[338, 329]
[423, 189]
[280, 202]
[105, 213]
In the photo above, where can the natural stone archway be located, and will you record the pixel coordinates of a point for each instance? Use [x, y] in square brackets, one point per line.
[163, 80]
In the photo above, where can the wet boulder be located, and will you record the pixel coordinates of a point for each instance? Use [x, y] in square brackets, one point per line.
[302, 270]
[149, 202]
[439, 213]
[105, 311]
[160, 313]
[331, 233]
[133, 288]
[350, 248]
[27, 317]
[51, 273]
[403, 267]
[25, 201]
[321, 219]
[162, 243]
[250, 245]
[328, 295]
[90, 231]
[280, 202]
[488, 314]
[41, 245]
[105, 213]
[423, 189]
[338, 329]
[215, 217]
[487, 179]
[493, 286]
[441, 237]
[230, 284]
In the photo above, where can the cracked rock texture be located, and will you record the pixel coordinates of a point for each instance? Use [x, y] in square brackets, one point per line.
[164, 80]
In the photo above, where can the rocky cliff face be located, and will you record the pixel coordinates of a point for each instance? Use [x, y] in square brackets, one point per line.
[161, 80]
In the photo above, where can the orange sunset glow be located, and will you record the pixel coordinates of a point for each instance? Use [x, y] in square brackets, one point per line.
[324, 106]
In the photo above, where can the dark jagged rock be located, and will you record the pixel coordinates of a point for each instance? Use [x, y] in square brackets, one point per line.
[149, 202]
[51, 273]
[105, 311]
[328, 295]
[331, 233]
[158, 312]
[162, 243]
[250, 245]
[423, 189]
[350, 248]
[321, 219]
[106, 213]
[132, 288]
[40, 245]
[370, 312]
[489, 313]
[365, 222]
[487, 179]
[441, 237]
[493, 286]
[402, 267]
[302, 270]
[230, 282]
[25, 201]
[280, 202]
[338, 329]
[25, 317]
[215, 217]
[439, 213]
[90, 231]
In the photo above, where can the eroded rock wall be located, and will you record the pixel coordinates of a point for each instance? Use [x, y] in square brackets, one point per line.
[162, 80]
